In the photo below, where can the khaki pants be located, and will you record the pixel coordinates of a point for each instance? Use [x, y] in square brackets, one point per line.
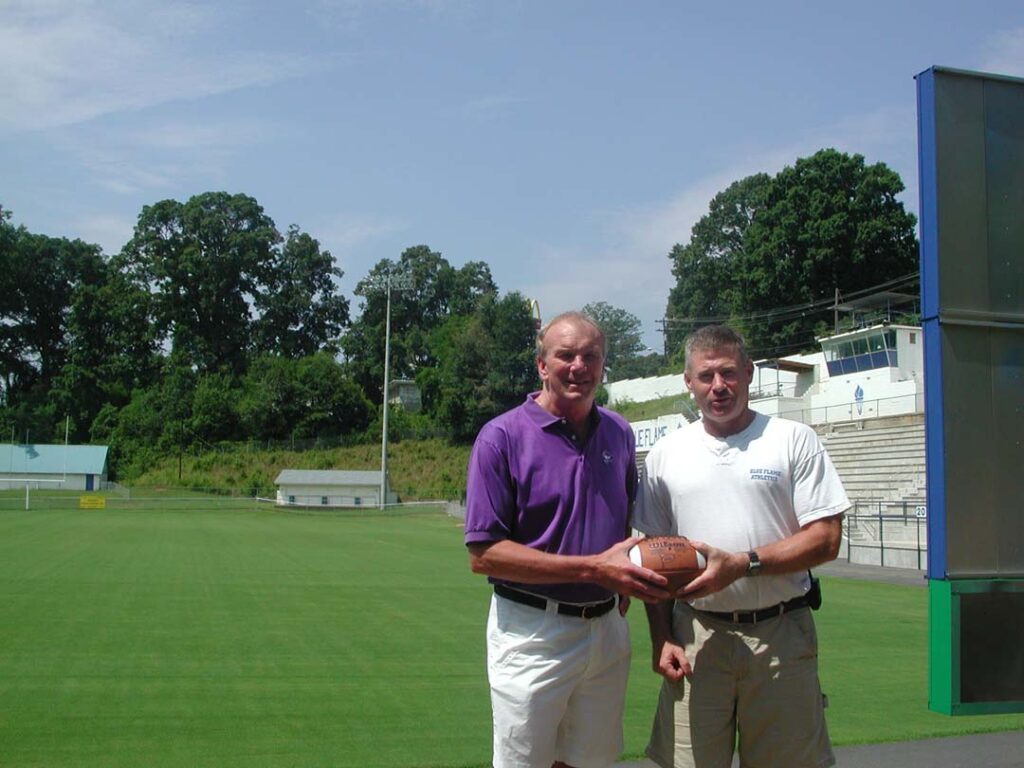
[755, 681]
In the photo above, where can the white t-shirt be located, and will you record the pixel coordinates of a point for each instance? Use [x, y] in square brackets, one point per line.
[737, 493]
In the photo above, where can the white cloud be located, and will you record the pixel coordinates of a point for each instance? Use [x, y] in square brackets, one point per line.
[67, 62]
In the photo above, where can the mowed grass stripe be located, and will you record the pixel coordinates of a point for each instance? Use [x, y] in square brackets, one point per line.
[253, 638]
[248, 636]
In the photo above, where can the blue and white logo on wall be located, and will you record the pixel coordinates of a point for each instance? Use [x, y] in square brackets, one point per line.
[858, 398]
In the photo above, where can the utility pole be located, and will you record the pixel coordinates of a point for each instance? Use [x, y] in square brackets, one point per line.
[392, 282]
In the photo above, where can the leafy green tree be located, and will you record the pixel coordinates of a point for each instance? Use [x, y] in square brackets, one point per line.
[311, 397]
[111, 350]
[214, 413]
[830, 222]
[334, 404]
[205, 262]
[641, 366]
[623, 333]
[432, 292]
[301, 309]
[770, 248]
[485, 365]
[709, 268]
[271, 401]
[39, 279]
[155, 421]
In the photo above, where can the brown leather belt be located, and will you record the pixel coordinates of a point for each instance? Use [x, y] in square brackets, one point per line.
[587, 611]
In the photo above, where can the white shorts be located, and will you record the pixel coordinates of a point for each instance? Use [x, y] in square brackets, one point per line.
[558, 685]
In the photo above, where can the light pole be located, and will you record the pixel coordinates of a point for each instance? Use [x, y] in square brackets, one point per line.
[391, 282]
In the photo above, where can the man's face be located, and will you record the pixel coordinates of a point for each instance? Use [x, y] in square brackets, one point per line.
[572, 365]
[719, 381]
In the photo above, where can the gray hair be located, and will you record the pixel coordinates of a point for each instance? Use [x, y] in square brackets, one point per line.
[715, 337]
[575, 317]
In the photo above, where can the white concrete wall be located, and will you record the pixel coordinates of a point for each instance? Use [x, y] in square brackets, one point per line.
[642, 390]
[52, 482]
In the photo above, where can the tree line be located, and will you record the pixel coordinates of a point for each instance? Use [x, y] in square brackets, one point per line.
[212, 325]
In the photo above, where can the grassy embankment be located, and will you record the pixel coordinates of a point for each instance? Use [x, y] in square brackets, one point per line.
[419, 469]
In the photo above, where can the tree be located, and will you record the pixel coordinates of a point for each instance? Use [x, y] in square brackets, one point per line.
[334, 404]
[771, 252]
[205, 262]
[830, 222]
[433, 292]
[310, 397]
[709, 269]
[40, 277]
[485, 365]
[623, 334]
[111, 350]
[301, 310]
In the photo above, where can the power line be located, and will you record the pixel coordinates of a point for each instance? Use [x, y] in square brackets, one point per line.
[793, 311]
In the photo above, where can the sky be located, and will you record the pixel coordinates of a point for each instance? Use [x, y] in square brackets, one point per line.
[570, 144]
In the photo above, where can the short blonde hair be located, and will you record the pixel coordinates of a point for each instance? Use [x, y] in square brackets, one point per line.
[575, 317]
[715, 337]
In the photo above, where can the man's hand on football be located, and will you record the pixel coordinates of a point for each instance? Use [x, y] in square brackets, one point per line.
[722, 570]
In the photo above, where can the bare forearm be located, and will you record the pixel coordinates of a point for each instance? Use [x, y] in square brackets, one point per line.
[816, 543]
[516, 562]
[659, 622]
[610, 569]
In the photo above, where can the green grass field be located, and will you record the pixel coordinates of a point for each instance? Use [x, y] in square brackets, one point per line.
[212, 632]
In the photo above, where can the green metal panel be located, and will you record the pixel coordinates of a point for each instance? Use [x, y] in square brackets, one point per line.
[941, 694]
[976, 657]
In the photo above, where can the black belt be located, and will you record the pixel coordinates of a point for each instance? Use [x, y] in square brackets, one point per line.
[588, 611]
[762, 614]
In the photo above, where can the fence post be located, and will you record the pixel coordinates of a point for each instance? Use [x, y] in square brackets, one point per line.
[881, 536]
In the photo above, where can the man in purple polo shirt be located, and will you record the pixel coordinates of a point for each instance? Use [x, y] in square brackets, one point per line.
[548, 500]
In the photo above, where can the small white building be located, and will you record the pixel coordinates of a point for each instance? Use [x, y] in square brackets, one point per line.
[331, 488]
[60, 467]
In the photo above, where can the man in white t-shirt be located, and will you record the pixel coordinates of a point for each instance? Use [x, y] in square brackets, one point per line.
[737, 649]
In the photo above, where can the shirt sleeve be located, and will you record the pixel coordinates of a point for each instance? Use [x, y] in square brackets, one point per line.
[490, 499]
[652, 513]
[817, 489]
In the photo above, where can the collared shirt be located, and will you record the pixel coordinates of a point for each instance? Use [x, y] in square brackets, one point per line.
[531, 481]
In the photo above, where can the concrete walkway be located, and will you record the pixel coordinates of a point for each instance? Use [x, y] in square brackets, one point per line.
[989, 750]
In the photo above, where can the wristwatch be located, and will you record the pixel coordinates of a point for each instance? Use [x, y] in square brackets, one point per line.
[754, 566]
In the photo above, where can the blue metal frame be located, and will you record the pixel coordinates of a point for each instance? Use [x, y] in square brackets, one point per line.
[934, 458]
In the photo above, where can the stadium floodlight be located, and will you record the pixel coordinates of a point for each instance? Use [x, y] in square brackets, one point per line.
[388, 282]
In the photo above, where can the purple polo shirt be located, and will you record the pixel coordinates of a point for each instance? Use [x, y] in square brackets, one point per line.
[529, 481]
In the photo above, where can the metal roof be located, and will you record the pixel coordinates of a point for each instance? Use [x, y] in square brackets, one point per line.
[328, 477]
[43, 459]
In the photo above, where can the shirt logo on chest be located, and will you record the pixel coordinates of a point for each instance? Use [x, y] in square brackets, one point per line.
[607, 456]
[767, 475]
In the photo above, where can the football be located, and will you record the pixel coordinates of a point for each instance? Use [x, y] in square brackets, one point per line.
[671, 556]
